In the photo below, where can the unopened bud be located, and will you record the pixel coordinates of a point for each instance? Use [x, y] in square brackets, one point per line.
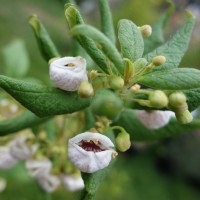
[85, 90]
[123, 142]
[177, 99]
[185, 117]
[159, 60]
[116, 82]
[135, 88]
[158, 99]
[146, 30]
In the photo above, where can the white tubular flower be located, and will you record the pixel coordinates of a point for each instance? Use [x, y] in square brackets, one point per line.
[19, 148]
[6, 159]
[72, 182]
[38, 168]
[3, 184]
[154, 119]
[68, 72]
[49, 183]
[90, 152]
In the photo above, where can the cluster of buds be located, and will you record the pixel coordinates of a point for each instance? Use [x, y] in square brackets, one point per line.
[177, 103]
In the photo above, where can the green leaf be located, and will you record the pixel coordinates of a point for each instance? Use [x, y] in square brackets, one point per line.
[193, 98]
[174, 79]
[16, 59]
[73, 18]
[138, 132]
[106, 20]
[41, 100]
[108, 48]
[131, 40]
[175, 48]
[157, 37]
[25, 120]
[46, 46]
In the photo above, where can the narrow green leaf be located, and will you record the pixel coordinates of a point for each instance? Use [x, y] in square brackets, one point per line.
[16, 60]
[46, 46]
[25, 120]
[175, 48]
[138, 132]
[106, 20]
[73, 18]
[108, 48]
[41, 100]
[131, 40]
[174, 79]
[157, 36]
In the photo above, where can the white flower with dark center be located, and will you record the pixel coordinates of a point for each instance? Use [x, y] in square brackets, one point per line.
[20, 149]
[154, 119]
[68, 72]
[6, 159]
[49, 183]
[72, 182]
[38, 168]
[90, 152]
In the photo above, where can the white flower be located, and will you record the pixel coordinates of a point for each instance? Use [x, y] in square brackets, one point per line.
[3, 184]
[90, 152]
[49, 182]
[68, 72]
[72, 182]
[6, 159]
[38, 168]
[154, 119]
[20, 150]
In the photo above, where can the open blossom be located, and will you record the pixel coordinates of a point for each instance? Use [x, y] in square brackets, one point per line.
[90, 152]
[20, 150]
[68, 72]
[6, 159]
[49, 183]
[154, 119]
[72, 182]
[38, 168]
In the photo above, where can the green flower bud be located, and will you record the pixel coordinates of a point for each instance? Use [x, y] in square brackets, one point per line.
[146, 30]
[158, 99]
[123, 142]
[85, 90]
[106, 103]
[177, 99]
[185, 117]
[158, 60]
[116, 82]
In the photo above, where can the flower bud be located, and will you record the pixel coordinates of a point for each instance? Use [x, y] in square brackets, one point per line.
[116, 82]
[106, 103]
[159, 60]
[68, 72]
[177, 99]
[158, 99]
[38, 168]
[3, 184]
[85, 90]
[123, 142]
[90, 152]
[185, 117]
[6, 159]
[146, 30]
[48, 182]
[154, 119]
[72, 182]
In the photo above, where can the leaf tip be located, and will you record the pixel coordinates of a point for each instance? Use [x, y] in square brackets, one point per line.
[189, 14]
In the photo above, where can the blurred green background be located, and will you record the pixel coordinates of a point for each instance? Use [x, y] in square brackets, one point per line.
[165, 170]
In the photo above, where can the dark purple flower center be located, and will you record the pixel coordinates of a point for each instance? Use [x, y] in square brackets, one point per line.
[91, 146]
